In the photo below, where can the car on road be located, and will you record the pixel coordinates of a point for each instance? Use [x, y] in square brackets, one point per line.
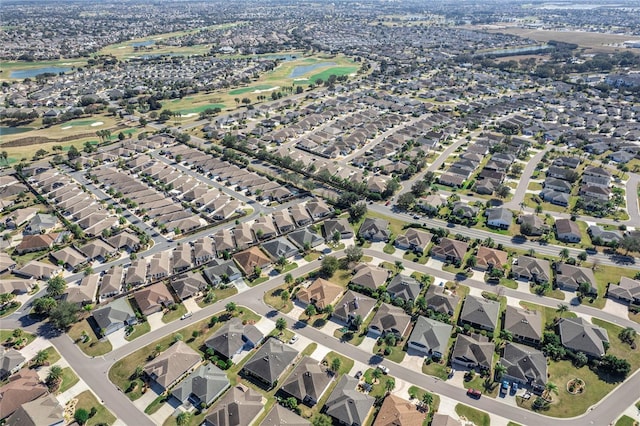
[293, 339]
[383, 368]
[474, 393]
[187, 315]
[387, 203]
[416, 216]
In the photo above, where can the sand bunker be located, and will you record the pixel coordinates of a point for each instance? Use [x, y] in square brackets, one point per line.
[271, 89]
[191, 114]
[97, 123]
[66, 127]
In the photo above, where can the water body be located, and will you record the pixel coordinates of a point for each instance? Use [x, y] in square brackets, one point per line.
[6, 131]
[301, 70]
[280, 57]
[32, 72]
[519, 51]
[143, 43]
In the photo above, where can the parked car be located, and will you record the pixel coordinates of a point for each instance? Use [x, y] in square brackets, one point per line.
[474, 393]
[293, 339]
[504, 387]
[358, 374]
[187, 315]
[383, 368]
[514, 388]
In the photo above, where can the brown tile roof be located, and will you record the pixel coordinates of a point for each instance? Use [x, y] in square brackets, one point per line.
[396, 411]
[321, 293]
[24, 386]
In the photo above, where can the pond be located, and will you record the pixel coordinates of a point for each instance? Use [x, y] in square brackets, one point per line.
[5, 131]
[280, 57]
[143, 43]
[32, 72]
[301, 70]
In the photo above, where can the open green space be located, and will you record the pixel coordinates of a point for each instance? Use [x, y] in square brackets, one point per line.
[243, 90]
[91, 347]
[274, 299]
[138, 330]
[69, 379]
[477, 417]
[87, 401]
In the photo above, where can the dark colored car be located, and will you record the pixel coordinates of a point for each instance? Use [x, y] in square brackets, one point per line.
[473, 393]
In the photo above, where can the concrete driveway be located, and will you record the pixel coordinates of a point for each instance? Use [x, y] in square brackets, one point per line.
[368, 343]
[117, 338]
[616, 308]
[155, 321]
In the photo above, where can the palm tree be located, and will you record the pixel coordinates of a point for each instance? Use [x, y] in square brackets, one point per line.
[548, 388]
[562, 308]
[499, 371]
[376, 374]
[54, 377]
[281, 324]
[40, 358]
[564, 253]
[427, 398]
[389, 385]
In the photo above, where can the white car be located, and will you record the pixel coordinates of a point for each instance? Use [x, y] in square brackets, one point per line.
[187, 315]
[383, 368]
[293, 339]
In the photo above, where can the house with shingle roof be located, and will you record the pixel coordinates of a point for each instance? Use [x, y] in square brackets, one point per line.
[280, 247]
[39, 412]
[31, 243]
[488, 258]
[568, 231]
[280, 416]
[220, 271]
[341, 225]
[581, 336]
[10, 362]
[304, 237]
[404, 287]
[531, 269]
[368, 276]
[320, 293]
[69, 257]
[270, 361]
[111, 282]
[480, 313]
[188, 285]
[414, 239]
[38, 270]
[523, 324]
[628, 290]
[85, 292]
[374, 229]
[307, 382]
[351, 305]
[159, 266]
[234, 337]
[441, 300]
[389, 319]
[203, 386]
[499, 217]
[171, 365]
[430, 337]
[136, 273]
[525, 365]
[23, 387]
[114, 316]
[251, 258]
[241, 405]
[98, 250]
[449, 250]
[154, 298]
[569, 277]
[348, 406]
[396, 411]
[473, 351]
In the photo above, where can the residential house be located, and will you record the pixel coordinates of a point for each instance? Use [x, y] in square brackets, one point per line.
[114, 316]
[283, 221]
[430, 337]
[37, 270]
[111, 282]
[558, 185]
[431, 204]
[396, 411]
[41, 224]
[68, 257]
[85, 292]
[203, 386]
[340, 225]
[532, 225]
[181, 258]
[159, 266]
[222, 271]
[464, 210]
[318, 209]
[488, 258]
[16, 286]
[270, 361]
[444, 420]
[125, 240]
[352, 305]
[449, 250]
[300, 215]
[264, 228]
[441, 300]
[389, 319]
[370, 277]
[223, 241]
[499, 217]
[6, 262]
[555, 197]
[346, 405]
[45, 411]
[23, 387]
[153, 298]
[307, 382]
[31, 243]
[304, 238]
[601, 236]
[241, 405]
[595, 192]
[203, 251]
[98, 250]
[320, 293]
[569, 277]
[250, 259]
[532, 269]
[524, 325]
[414, 239]
[473, 351]
[136, 273]
[525, 366]
[279, 416]
[404, 287]
[10, 362]
[374, 229]
[597, 176]
[581, 336]
[171, 365]
[480, 313]
[188, 285]
[568, 231]
[234, 337]
[280, 248]
[627, 291]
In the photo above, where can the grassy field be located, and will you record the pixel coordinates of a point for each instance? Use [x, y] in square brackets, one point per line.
[273, 299]
[626, 421]
[174, 314]
[138, 330]
[94, 347]
[479, 418]
[87, 400]
[244, 90]
[8, 334]
[69, 379]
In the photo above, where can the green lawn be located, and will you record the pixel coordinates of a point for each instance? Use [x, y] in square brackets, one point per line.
[435, 369]
[139, 330]
[7, 335]
[199, 109]
[626, 421]
[274, 300]
[155, 404]
[346, 364]
[417, 393]
[479, 418]
[54, 356]
[489, 389]
[93, 347]
[389, 248]
[220, 294]
[87, 400]
[243, 90]
[395, 225]
[341, 277]
[174, 314]
[9, 308]
[548, 314]
[412, 257]
[69, 379]
[378, 387]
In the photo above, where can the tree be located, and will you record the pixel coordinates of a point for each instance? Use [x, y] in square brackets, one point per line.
[614, 365]
[230, 307]
[406, 200]
[357, 211]
[419, 188]
[281, 324]
[336, 363]
[427, 398]
[389, 385]
[56, 286]
[321, 420]
[630, 243]
[548, 388]
[564, 253]
[506, 335]
[628, 335]
[41, 358]
[562, 308]
[64, 314]
[284, 295]
[54, 376]
[353, 253]
[580, 360]
[503, 191]
[288, 278]
[357, 321]
[329, 266]
[310, 310]
[376, 374]
[499, 371]
[44, 305]
[183, 418]
[81, 416]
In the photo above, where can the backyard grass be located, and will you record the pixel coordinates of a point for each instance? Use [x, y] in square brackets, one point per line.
[8, 334]
[69, 379]
[274, 300]
[174, 314]
[87, 400]
[477, 417]
[93, 347]
[138, 330]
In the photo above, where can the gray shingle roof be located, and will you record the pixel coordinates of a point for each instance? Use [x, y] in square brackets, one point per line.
[483, 312]
[431, 334]
[579, 335]
[271, 360]
[206, 383]
[346, 404]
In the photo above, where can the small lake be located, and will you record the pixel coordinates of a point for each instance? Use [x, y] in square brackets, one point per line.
[143, 43]
[6, 131]
[32, 72]
[301, 70]
[280, 57]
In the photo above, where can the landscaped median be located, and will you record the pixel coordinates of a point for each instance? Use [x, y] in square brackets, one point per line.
[123, 373]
